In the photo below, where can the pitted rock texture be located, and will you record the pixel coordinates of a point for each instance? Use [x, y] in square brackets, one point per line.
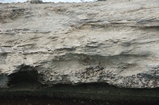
[113, 41]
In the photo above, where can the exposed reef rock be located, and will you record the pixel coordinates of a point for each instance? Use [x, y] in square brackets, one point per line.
[35, 1]
[113, 41]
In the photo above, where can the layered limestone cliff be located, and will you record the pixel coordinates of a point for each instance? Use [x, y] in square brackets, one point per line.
[113, 41]
[35, 1]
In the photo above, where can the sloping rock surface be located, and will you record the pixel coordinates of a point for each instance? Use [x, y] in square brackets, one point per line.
[113, 41]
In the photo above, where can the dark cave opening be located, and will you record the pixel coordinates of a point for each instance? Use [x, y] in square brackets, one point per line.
[25, 74]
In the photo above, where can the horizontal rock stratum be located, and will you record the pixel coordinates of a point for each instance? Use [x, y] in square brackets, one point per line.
[113, 41]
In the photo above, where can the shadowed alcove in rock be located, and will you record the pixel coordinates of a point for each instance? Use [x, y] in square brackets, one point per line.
[24, 75]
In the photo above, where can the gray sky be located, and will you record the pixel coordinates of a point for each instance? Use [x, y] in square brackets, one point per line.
[9, 1]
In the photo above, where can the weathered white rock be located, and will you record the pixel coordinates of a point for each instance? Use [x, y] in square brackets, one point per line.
[114, 42]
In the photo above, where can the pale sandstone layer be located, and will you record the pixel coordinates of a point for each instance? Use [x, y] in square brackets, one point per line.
[113, 41]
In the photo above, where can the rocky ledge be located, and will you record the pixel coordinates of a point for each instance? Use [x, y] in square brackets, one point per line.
[114, 42]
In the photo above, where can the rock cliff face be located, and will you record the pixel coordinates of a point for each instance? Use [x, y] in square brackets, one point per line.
[113, 41]
[35, 1]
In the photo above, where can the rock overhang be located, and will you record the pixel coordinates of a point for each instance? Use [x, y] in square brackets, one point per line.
[104, 42]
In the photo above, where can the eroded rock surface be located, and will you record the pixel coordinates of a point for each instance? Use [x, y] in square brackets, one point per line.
[35, 1]
[113, 41]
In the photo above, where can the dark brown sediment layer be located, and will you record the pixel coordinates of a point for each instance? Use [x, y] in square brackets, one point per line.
[85, 92]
